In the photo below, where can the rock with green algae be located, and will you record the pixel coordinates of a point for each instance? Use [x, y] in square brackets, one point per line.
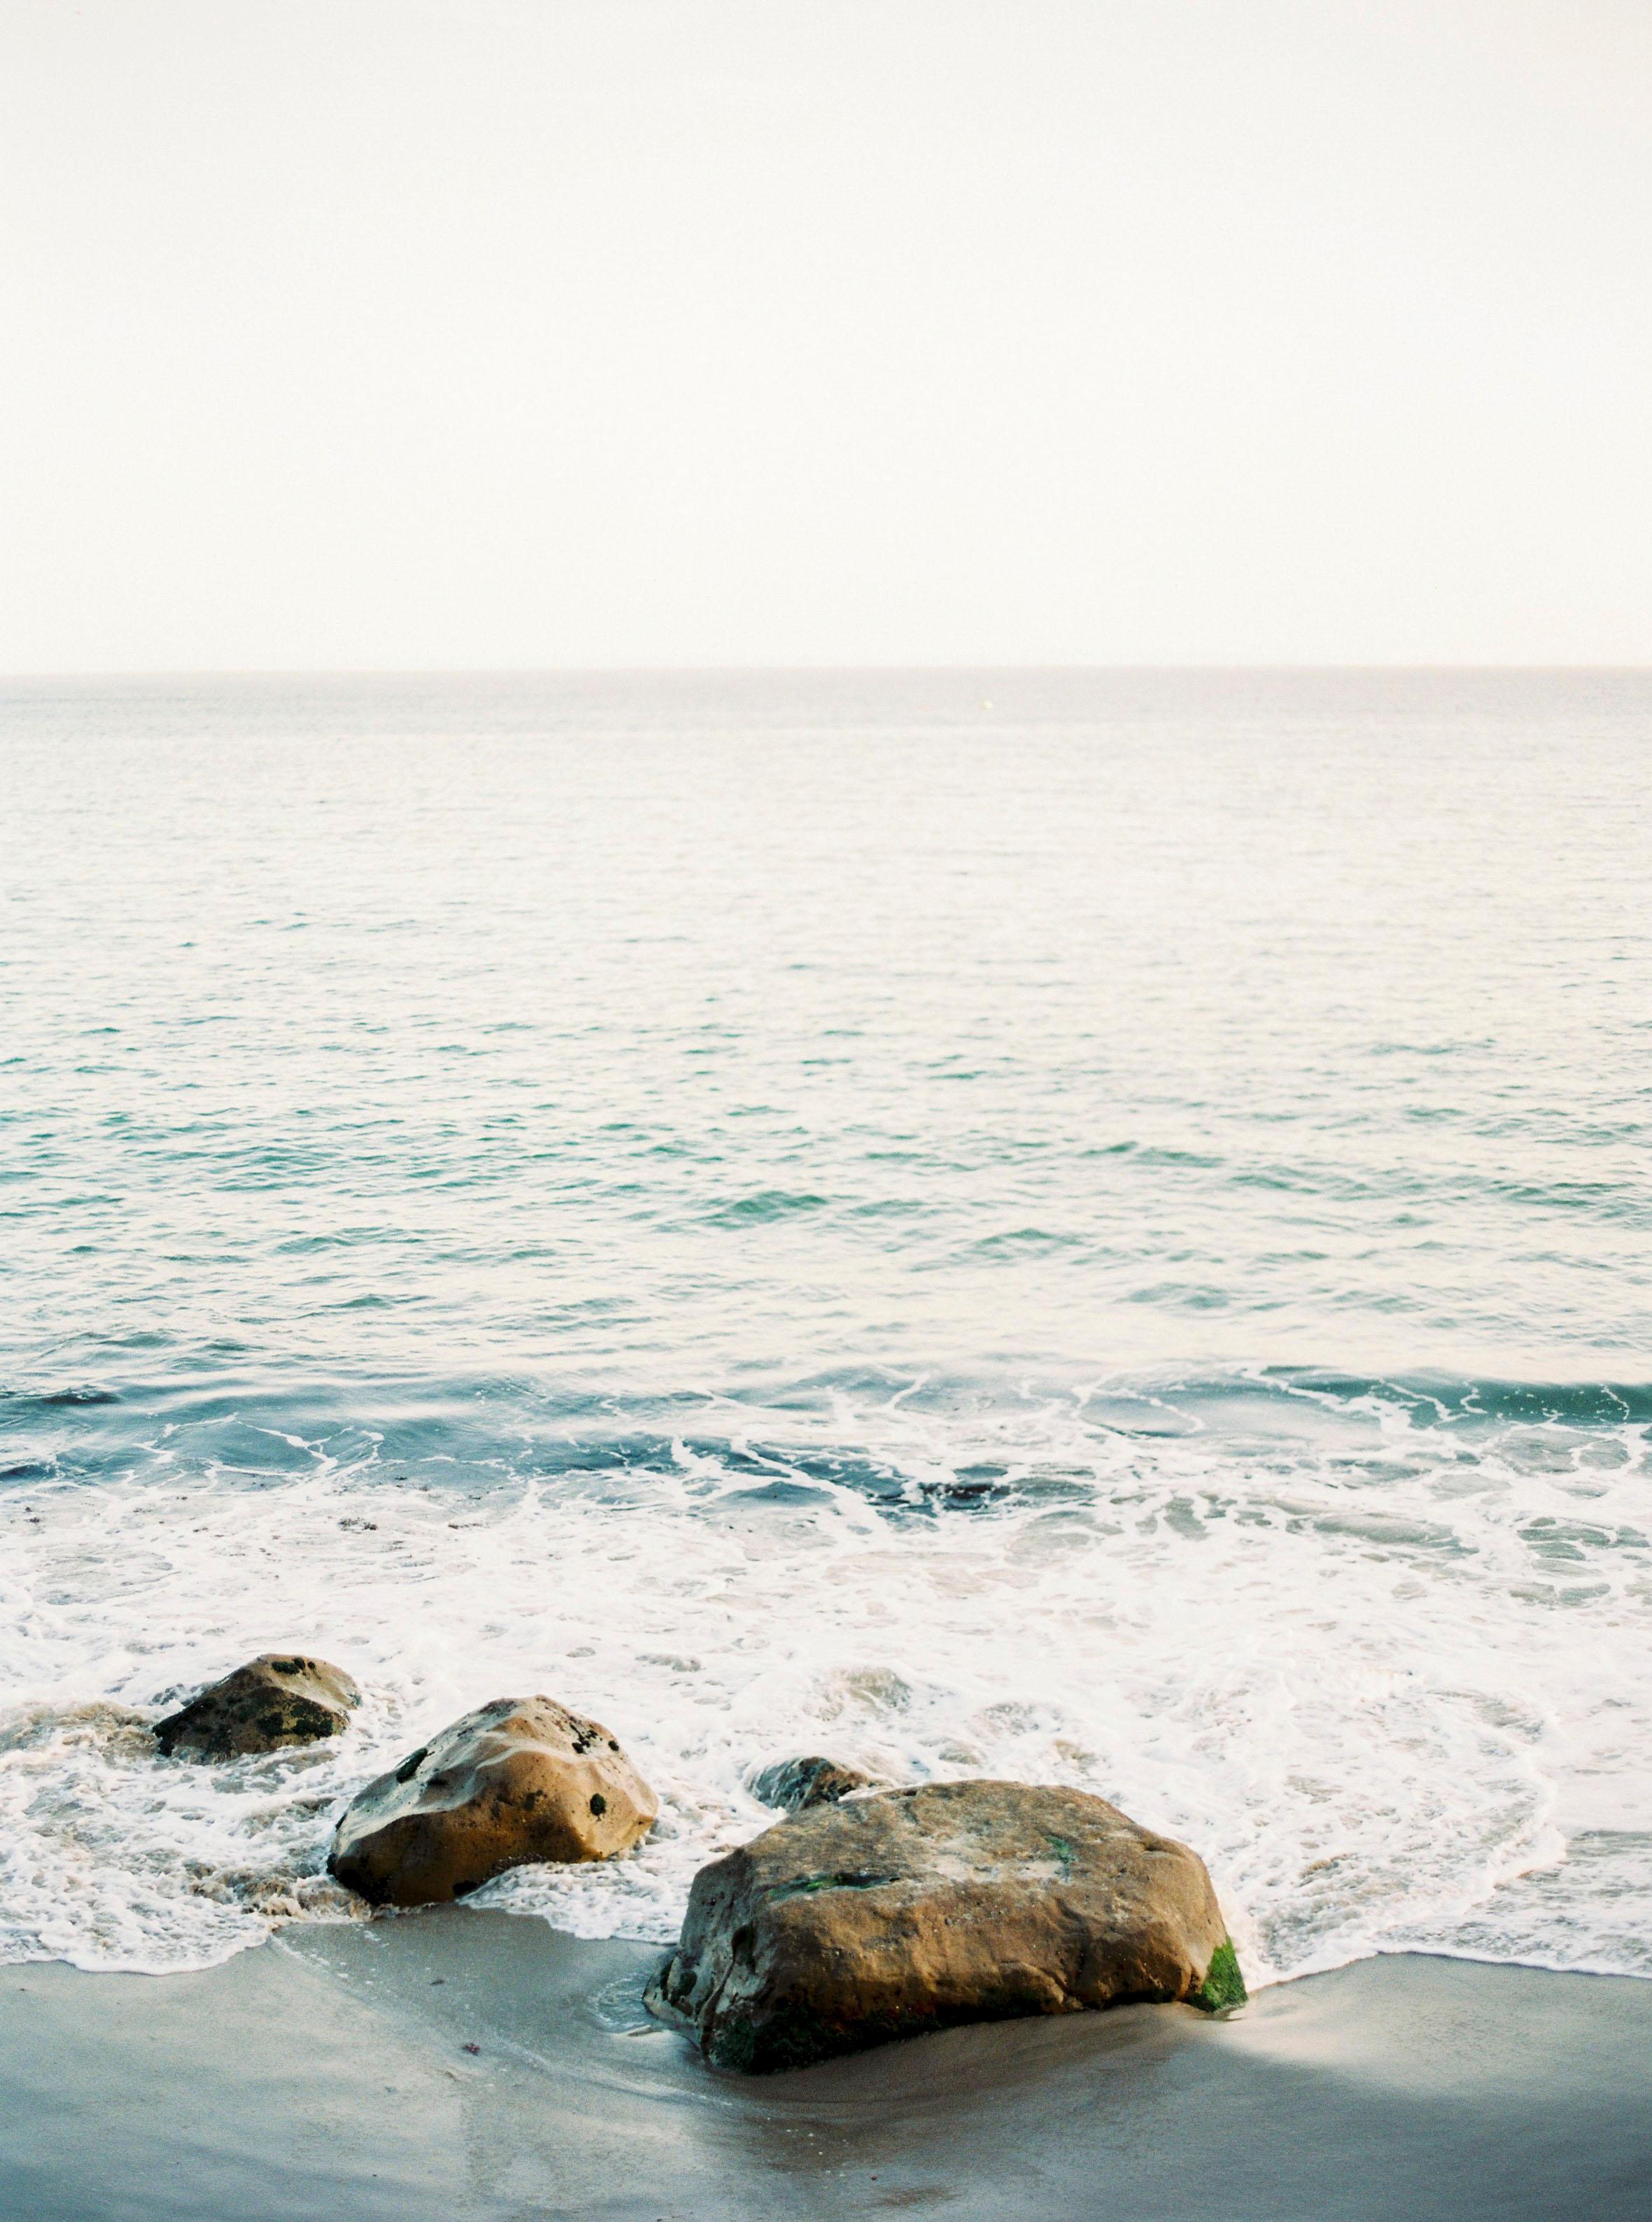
[850, 1924]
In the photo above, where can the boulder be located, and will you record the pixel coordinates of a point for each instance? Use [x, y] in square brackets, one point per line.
[849, 1924]
[517, 1780]
[280, 1698]
[792, 1784]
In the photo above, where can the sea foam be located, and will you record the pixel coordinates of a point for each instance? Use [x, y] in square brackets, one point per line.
[1392, 1687]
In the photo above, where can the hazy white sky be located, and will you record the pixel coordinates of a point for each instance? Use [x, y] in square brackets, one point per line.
[411, 333]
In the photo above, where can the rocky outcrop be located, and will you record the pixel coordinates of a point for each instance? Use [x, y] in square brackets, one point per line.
[280, 1698]
[793, 1784]
[517, 1780]
[849, 1924]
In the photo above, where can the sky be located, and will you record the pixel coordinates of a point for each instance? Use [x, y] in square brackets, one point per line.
[471, 334]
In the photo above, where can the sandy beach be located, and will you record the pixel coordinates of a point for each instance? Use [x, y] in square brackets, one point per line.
[455, 2064]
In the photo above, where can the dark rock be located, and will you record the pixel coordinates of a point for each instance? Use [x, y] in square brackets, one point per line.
[850, 1924]
[792, 1784]
[280, 1698]
[515, 1781]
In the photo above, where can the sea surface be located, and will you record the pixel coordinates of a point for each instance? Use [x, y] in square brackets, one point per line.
[1091, 1227]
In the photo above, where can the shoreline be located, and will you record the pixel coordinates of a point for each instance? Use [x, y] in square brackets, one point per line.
[329, 2073]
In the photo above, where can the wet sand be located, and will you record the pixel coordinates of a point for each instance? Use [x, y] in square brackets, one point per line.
[329, 2075]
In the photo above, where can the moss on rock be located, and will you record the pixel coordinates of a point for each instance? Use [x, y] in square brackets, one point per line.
[1223, 1985]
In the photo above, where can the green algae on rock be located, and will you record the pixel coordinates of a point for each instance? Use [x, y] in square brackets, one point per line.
[1223, 1985]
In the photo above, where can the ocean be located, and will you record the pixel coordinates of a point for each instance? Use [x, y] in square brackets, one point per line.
[1090, 1227]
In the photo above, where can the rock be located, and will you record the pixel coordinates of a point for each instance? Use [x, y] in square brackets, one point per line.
[278, 1699]
[514, 1781]
[792, 1784]
[849, 1924]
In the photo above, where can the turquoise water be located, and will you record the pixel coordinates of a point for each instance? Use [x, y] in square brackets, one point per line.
[1090, 1227]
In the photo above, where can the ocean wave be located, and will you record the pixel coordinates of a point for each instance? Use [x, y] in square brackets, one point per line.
[1377, 1669]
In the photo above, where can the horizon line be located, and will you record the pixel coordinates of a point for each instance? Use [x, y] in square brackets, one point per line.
[1394, 668]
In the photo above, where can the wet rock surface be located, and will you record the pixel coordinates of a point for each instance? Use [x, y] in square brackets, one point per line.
[282, 1697]
[793, 1783]
[850, 1924]
[518, 1781]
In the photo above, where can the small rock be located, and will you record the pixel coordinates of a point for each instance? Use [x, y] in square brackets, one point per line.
[278, 1699]
[793, 1784]
[515, 1781]
[849, 1924]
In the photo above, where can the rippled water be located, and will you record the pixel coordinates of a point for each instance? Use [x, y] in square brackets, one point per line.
[1092, 1228]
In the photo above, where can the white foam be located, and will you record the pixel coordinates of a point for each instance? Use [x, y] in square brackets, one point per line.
[1371, 1710]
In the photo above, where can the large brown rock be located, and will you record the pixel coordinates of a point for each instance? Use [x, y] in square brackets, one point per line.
[280, 1698]
[514, 1781]
[849, 1924]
